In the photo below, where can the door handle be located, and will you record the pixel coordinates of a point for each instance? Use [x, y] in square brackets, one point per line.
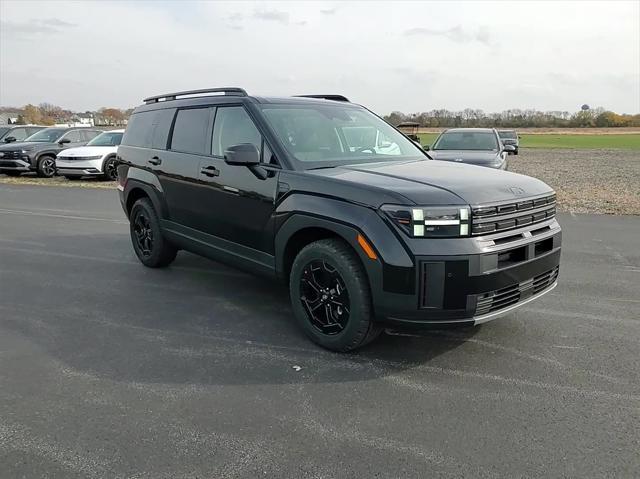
[210, 171]
[155, 161]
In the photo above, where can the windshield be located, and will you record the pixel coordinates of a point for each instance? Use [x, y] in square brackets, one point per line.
[3, 130]
[321, 136]
[48, 134]
[106, 139]
[466, 140]
[507, 135]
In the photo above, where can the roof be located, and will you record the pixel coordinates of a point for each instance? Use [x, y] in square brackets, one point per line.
[232, 95]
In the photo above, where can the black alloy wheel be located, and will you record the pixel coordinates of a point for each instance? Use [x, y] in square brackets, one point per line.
[331, 297]
[150, 246]
[143, 233]
[324, 297]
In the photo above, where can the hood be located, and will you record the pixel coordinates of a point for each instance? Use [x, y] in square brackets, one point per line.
[430, 182]
[467, 156]
[22, 145]
[87, 151]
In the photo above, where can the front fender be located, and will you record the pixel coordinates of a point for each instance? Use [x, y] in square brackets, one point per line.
[393, 270]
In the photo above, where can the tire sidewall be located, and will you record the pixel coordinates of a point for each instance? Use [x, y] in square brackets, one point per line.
[359, 299]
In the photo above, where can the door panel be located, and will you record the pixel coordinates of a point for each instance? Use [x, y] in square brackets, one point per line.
[233, 203]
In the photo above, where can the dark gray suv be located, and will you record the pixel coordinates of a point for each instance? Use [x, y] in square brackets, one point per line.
[38, 152]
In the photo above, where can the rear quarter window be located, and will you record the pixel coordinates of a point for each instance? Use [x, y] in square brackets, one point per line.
[149, 129]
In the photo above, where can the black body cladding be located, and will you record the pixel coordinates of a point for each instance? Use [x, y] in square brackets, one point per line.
[260, 216]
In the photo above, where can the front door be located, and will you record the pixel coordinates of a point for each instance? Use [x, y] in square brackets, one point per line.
[233, 203]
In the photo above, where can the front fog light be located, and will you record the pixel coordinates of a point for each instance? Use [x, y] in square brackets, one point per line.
[430, 221]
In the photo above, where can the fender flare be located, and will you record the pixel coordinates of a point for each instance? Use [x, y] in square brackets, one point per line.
[344, 219]
[138, 179]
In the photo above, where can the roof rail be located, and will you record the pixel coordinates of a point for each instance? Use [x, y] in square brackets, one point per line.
[234, 91]
[327, 97]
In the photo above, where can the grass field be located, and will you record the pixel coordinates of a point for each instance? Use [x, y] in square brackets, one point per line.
[581, 141]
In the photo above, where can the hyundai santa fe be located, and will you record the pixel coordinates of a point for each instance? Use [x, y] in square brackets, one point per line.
[367, 231]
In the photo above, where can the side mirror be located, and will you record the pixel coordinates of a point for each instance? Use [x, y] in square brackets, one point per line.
[244, 154]
[10, 139]
[426, 147]
[509, 149]
[63, 141]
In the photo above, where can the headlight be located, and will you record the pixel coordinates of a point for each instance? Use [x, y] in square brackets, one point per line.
[430, 221]
[26, 150]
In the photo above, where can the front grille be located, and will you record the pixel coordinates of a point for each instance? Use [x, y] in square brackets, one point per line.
[502, 298]
[11, 155]
[507, 216]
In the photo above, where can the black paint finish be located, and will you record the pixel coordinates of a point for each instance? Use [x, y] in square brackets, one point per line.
[258, 217]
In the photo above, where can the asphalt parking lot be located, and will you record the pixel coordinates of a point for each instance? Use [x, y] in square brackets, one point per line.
[110, 369]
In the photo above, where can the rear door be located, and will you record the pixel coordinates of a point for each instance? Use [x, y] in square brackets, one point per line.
[178, 171]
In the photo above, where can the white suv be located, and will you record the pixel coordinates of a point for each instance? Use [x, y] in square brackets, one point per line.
[97, 158]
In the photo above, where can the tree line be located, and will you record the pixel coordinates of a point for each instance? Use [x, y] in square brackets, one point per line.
[48, 114]
[584, 118]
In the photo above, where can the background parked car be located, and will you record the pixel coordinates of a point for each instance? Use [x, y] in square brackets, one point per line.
[38, 152]
[9, 134]
[476, 146]
[97, 158]
[510, 137]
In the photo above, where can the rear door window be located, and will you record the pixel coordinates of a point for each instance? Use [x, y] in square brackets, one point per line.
[190, 131]
[149, 129]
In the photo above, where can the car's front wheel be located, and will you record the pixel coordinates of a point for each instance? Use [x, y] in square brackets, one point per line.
[46, 166]
[330, 296]
[150, 246]
[110, 170]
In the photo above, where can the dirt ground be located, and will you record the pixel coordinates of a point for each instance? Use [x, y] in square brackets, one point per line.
[586, 181]
[560, 131]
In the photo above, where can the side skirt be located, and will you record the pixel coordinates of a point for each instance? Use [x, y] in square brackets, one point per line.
[219, 249]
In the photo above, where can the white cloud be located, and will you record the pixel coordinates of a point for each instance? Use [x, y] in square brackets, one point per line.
[543, 55]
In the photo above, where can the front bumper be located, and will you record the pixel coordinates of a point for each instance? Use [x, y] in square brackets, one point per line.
[472, 288]
[78, 167]
[15, 165]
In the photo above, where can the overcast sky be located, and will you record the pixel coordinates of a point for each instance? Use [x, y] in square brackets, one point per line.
[387, 55]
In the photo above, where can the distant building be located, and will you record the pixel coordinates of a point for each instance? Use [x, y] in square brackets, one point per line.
[9, 117]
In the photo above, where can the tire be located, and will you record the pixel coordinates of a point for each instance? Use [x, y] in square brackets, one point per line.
[327, 257]
[12, 173]
[515, 152]
[46, 166]
[109, 170]
[150, 246]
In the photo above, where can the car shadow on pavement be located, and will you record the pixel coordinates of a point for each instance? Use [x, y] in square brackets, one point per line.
[197, 322]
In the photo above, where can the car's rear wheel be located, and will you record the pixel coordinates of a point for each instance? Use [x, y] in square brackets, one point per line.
[330, 296]
[110, 170]
[46, 166]
[152, 249]
[12, 173]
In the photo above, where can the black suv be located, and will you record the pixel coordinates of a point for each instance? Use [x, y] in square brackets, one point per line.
[38, 151]
[367, 231]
